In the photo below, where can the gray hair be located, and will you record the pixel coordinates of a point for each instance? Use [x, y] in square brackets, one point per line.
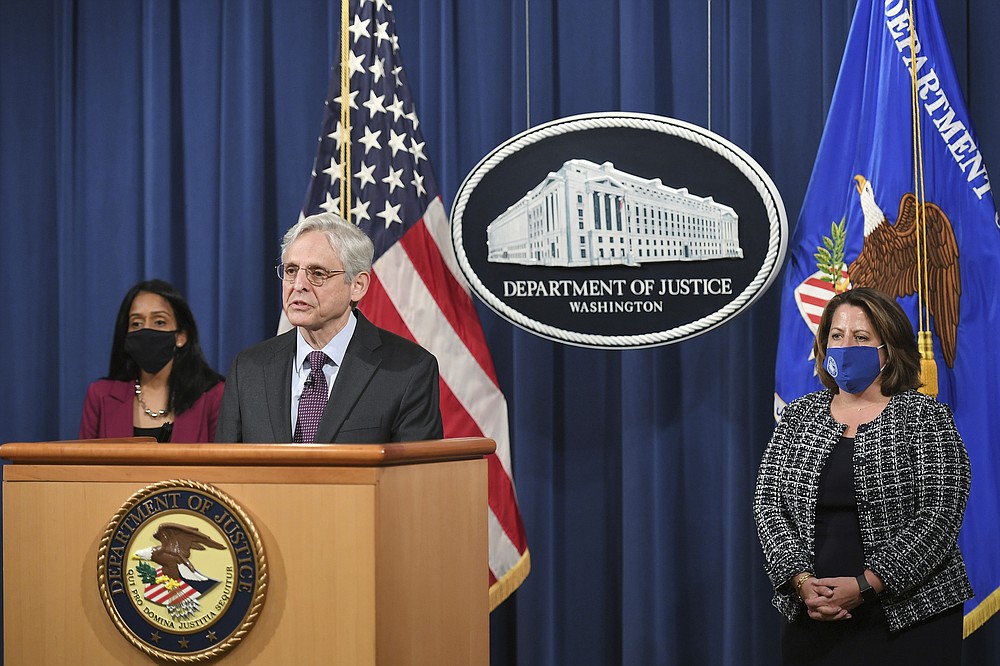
[351, 244]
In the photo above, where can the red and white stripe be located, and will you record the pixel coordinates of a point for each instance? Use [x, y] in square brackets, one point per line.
[157, 593]
[811, 296]
[417, 291]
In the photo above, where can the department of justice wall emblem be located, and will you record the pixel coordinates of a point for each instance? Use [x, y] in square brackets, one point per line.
[618, 230]
[182, 571]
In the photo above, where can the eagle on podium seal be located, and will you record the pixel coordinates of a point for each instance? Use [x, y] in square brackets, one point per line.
[182, 571]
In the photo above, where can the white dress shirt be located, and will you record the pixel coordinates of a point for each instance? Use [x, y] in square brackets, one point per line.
[335, 350]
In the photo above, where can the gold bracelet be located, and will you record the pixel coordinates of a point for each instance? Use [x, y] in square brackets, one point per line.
[800, 579]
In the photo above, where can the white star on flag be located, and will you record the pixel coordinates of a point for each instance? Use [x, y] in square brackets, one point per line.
[333, 171]
[417, 150]
[360, 211]
[356, 64]
[351, 99]
[359, 29]
[393, 179]
[397, 142]
[378, 69]
[396, 108]
[370, 140]
[374, 103]
[390, 214]
[418, 183]
[364, 175]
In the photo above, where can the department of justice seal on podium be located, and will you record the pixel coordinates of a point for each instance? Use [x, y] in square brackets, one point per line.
[182, 571]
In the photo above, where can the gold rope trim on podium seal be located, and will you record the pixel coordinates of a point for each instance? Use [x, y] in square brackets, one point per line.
[182, 571]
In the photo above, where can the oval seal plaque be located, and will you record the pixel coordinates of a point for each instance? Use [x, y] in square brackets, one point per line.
[618, 230]
[182, 571]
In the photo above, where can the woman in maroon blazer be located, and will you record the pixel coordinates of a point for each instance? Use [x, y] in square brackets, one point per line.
[159, 383]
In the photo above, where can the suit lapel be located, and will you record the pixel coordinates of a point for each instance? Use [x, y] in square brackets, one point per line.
[121, 415]
[278, 387]
[361, 360]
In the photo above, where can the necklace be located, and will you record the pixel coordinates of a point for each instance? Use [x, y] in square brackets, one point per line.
[839, 404]
[142, 403]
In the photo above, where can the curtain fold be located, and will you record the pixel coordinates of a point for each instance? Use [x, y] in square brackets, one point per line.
[174, 140]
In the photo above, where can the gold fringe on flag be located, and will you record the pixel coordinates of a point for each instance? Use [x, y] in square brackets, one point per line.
[511, 580]
[981, 613]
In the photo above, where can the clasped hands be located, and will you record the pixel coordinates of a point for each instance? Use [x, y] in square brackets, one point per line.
[830, 599]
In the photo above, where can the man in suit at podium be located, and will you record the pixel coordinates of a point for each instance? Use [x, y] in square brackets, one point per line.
[335, 377]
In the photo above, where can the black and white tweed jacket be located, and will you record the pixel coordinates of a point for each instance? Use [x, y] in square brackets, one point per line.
[911, 482]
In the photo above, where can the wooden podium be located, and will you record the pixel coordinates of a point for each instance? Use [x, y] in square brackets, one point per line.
[376, 554]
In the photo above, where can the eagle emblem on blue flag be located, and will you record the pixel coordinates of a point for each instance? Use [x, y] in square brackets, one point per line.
[888, 261]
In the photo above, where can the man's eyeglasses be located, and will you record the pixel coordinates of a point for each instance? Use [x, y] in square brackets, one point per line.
[317, 276]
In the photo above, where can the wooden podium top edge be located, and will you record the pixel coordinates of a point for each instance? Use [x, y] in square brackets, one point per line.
[145, 451]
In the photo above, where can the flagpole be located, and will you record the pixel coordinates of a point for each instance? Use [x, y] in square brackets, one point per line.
[527, 67]
[345, 112]
[709, 61]
[928, 367]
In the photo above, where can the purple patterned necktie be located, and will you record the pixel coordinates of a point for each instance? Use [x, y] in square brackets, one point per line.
[313, 399]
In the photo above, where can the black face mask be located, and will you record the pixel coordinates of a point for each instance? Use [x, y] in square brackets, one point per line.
[151, 349]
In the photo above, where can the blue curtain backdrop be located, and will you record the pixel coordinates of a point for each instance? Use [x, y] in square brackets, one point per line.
[174, 139]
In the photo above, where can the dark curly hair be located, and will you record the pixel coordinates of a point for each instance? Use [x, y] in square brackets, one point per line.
[191, 375]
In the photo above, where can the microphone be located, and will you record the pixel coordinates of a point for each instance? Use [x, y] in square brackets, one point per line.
[309, 383]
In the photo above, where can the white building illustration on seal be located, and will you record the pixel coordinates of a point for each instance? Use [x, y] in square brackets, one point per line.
[587, 214]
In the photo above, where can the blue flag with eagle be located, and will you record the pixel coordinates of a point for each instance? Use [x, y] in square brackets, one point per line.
[856, 228]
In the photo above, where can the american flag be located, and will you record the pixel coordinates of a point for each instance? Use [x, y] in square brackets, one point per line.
[416, 288]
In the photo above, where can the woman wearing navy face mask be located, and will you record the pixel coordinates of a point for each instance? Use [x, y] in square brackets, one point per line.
[859, 501]
[159, 383]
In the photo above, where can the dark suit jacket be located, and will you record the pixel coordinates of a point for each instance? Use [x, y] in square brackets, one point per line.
[385, 391]
[107, 412]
